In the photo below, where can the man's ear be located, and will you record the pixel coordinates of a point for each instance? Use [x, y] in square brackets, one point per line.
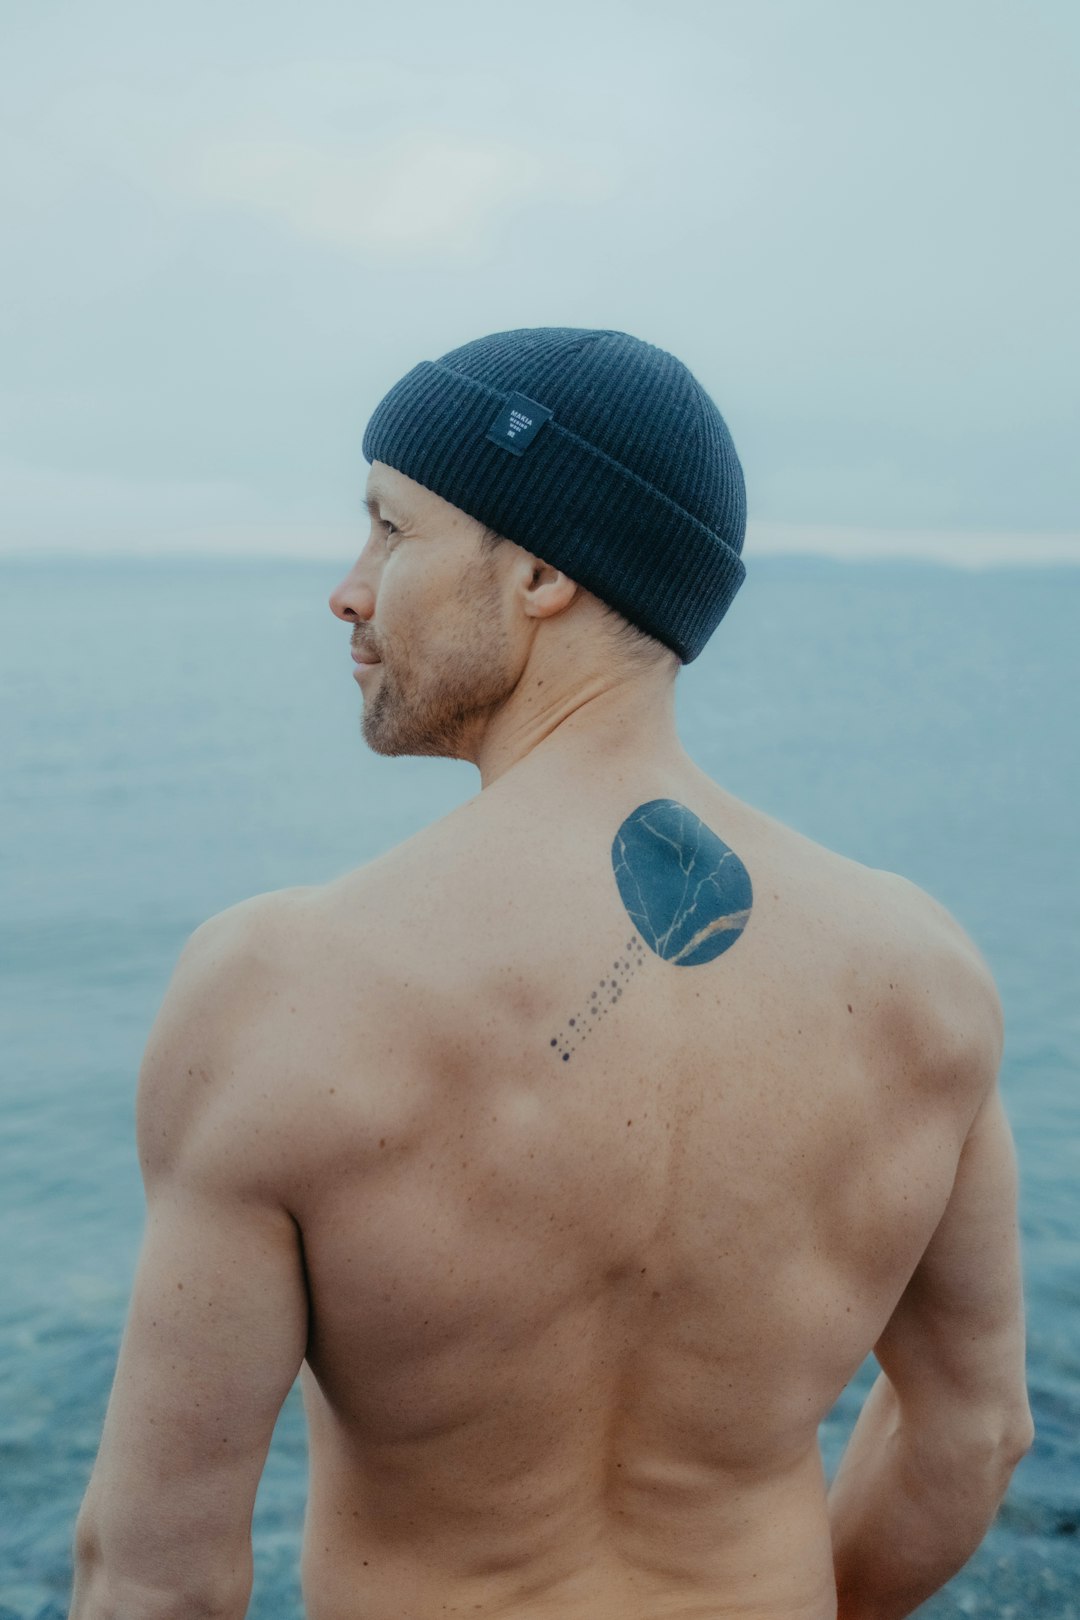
[544, 590]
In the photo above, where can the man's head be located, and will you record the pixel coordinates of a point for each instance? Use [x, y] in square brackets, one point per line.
[446, 615]
[575, 482]
[428, 636]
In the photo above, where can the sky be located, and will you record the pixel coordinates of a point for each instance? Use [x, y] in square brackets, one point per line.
[230, 228]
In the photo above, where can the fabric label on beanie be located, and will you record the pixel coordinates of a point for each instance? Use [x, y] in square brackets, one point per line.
[518, 423]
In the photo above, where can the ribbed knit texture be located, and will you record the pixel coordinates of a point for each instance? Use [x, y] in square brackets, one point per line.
[633, 488]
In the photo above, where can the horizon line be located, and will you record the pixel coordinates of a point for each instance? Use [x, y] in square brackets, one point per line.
[956, 548]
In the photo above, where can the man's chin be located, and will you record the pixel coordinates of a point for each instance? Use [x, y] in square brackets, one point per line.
[413, 747]
[382, 745]
[384, 738]
[397, 736]
[438, 724]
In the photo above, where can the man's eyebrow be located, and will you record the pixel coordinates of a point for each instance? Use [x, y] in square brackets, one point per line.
[377, 497]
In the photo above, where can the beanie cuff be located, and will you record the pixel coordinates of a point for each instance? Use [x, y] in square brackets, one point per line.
[563, 499]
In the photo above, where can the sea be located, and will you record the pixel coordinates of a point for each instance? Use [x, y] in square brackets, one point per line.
[178, 734]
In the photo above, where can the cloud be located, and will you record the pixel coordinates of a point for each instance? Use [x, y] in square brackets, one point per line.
[427, 193]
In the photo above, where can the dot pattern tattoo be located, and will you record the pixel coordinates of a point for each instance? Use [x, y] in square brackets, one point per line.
[687, 894]
[600, 1001]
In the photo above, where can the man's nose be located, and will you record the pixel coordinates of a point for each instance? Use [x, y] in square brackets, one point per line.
[353, 600]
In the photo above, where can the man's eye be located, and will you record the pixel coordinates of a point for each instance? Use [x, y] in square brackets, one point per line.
[389, 528]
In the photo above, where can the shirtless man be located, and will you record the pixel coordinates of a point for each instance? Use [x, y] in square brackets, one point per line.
[579, 1150]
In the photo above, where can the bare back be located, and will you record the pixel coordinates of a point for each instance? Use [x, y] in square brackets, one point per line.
[584, 1282]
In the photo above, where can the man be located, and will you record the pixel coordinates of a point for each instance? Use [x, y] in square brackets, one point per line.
[580, 1149]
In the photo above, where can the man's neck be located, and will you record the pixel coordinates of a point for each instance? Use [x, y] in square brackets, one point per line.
[602, 722]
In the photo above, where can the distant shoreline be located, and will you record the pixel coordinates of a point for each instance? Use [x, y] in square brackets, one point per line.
[769, 558]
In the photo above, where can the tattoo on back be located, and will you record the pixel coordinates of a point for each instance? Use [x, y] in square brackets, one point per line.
[686, 892]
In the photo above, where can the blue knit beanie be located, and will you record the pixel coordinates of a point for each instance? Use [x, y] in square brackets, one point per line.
[597, 452]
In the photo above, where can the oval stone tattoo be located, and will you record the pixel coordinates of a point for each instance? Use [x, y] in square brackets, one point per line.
[687, 894]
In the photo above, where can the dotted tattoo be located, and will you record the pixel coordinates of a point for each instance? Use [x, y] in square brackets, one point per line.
[600, 1001]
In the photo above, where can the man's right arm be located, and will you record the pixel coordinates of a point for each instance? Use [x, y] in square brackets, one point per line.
[948, 1419]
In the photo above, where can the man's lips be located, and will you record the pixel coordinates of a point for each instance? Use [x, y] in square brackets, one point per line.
[361, 656]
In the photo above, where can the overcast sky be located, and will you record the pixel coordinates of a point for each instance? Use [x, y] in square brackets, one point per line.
[229, 228]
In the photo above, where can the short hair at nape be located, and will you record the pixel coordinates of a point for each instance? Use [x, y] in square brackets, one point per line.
[625, 638]
[638, 644]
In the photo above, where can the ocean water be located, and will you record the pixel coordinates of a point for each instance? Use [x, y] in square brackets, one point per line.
[179, 735]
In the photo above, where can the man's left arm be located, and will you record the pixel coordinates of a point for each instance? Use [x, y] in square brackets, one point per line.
[218, 1320]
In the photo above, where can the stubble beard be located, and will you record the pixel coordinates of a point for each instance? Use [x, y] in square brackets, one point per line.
[436, 710]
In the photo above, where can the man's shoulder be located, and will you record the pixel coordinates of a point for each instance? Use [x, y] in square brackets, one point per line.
[930, 939]
[932, 1015]
[232, 965]
[250, 928]
[415, 894]
[222, 1000]
[898, 931]
[247, 952]
[937, 992]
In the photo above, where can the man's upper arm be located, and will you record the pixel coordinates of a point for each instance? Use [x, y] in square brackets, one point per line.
[218, 1320]
[954, 1346]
